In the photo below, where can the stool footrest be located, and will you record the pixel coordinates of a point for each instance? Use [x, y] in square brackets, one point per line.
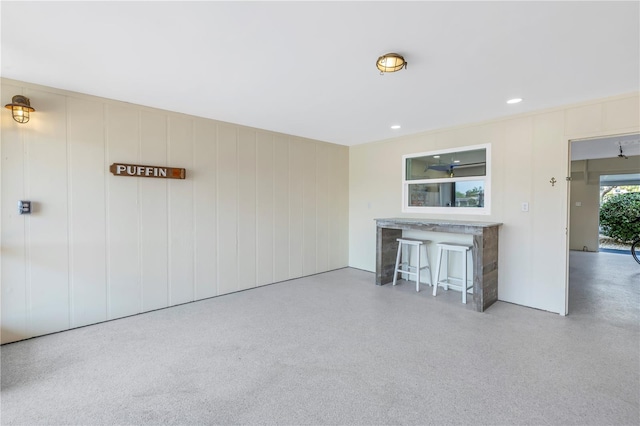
[404, 265]
[446, 283]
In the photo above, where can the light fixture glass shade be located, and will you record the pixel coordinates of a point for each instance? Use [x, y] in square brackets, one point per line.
[391, 62]
[20, 108]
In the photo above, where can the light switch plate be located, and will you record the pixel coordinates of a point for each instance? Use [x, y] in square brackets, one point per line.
[24, 207]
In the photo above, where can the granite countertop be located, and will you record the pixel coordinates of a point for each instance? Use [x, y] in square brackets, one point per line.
[437, 222]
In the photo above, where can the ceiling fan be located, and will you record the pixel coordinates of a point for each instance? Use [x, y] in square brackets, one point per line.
[449, 167]
[621, 155]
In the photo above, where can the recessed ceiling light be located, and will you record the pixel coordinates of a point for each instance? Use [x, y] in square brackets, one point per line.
[514, 101]
[395, 126]
[436, 156]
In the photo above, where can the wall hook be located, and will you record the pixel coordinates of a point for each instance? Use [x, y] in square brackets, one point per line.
[553, 181]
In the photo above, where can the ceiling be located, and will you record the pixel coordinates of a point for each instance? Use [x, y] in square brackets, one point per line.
[608, 147]
[308, 68]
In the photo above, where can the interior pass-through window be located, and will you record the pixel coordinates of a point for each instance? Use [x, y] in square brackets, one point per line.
[456, 181]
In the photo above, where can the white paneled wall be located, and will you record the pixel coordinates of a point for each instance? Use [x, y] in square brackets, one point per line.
[205, 186]
[154, 232]
[47, 263]
[527, 151]
[257, 207]
[87, 238]
[265, 209]
[246, 209]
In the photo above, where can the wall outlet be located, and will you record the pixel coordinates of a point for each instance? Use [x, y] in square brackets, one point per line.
[578, 203]
[525, 207]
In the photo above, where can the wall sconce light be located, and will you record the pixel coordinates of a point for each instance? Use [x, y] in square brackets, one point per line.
[20, 108]
[390, 62]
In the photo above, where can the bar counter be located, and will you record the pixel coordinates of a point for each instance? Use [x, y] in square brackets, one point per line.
[484, 251]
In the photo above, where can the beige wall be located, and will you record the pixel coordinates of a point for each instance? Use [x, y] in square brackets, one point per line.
[527, 151]
[257, 207]
[585, 197]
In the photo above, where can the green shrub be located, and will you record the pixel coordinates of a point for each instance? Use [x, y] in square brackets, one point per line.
[619, 217]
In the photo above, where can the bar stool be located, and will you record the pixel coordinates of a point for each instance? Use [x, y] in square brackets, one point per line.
[443, 251]
[411, 242]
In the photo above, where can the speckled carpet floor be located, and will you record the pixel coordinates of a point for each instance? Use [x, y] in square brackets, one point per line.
[336, 349]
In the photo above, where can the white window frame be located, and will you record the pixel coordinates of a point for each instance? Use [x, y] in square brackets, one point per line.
[406, 208]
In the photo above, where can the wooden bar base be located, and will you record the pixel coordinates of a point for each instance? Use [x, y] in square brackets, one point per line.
[485, 252]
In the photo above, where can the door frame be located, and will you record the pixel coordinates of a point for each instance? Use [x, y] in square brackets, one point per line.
[567, 203]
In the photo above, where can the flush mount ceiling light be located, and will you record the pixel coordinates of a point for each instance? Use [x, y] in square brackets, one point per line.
[20, 108]
[395, 126]
[514, 101]
[390, 62]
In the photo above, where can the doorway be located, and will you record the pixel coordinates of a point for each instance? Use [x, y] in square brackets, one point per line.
[610, 157]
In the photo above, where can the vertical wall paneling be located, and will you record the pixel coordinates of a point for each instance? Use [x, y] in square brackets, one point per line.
[281, 197]
[363, 204]
[246, 208]
[620, 115]
[298, 166]
[265, 180]
[48, 260]
[204, 193]
[309, 202]
[153, 214]
[547, 207]
[12, 239]
[227, 207]
[335, 190]
[181, 226]
[344, 196]
[123, 280]
[516, 177]
[586, 118]
[497, 136]
[322, 208]
[257, 207]
[339, 207]
[87, 216]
